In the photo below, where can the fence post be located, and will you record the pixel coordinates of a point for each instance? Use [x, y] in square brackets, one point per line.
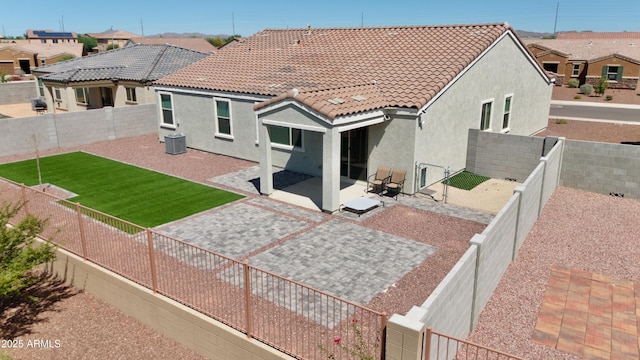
[428, 344]
[83, 240]
[152, 262]
[383, 335]
[24, 199]
[247, 298]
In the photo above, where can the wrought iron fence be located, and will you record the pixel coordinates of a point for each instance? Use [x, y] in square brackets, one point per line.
[287, 315]
[444, 347]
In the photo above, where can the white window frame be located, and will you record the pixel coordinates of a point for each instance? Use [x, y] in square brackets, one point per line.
[41, 87]
[482, 114]
[575, 72]
[290, 146]
[132, 97]
[84, 94]
[507, 113]
[163, 124]
[216, 119]
[615, 74]
[57, 94]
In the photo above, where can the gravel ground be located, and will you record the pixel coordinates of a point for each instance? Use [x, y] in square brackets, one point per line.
[577, 229]
[619, 96]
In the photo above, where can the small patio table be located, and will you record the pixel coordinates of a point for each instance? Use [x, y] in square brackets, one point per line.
[361, 205]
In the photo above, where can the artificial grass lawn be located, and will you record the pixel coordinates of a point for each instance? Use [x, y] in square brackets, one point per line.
[466, 180]
[143, 197]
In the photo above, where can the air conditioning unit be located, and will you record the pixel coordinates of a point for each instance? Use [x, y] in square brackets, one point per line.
[175, 144]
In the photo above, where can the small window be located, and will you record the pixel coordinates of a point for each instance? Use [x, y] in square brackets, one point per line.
[41, 87]
[576, 70]
[55, 41]
[507, 112]
[552, 67]
[288, 137]
[613, 73]
[223, 118]
[57, 94]
[166, 104]
[131, 95]
[485, 117]
[43, 62]
[81, 96]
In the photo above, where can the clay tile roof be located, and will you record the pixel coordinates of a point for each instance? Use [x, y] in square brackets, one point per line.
[407, 64]
[197, 44]
[589, 49]
[588, 35]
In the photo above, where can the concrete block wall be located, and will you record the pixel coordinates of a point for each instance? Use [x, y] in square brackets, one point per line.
[198, 332]
[16, 92]
[529, 206]
[495, 252]
[502, 156]
[61, 130]
[552, 162]
[602, 168]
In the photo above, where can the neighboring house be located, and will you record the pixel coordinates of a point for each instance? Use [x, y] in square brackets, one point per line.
[590, 35]
[586, 59]
[118, 77]
[338, 103]
[23, 57]
[51, 37]
[113, 38]
[197, 44]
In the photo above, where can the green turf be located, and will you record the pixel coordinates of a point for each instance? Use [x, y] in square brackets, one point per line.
[140, 196]
[466, 180]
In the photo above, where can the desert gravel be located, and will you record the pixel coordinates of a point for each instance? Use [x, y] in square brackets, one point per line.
[577, 229]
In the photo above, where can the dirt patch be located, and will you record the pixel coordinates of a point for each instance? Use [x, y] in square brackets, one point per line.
[619, 96]
[592, 131]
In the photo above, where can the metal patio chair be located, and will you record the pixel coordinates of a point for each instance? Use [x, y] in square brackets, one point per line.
[395, 185]
[376, 182]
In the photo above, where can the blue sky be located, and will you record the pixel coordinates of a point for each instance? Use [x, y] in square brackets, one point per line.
[249, 16]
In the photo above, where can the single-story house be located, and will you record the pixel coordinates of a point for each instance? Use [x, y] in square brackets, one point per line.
[586, 59]
[111, 39]
[193, 43]
[23, 57]
[51, 37]
[120, 77]
[340, 102]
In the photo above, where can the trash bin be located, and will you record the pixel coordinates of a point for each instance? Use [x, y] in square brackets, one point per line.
[175, 144]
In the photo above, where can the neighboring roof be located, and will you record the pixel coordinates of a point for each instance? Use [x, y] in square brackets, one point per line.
[403, 66]
[46, 51]
[139, 62]
[587, 49]
[198, 44]
[50, 34]
[589, 35]
[113, 34]
[619, 56]
[231, 43]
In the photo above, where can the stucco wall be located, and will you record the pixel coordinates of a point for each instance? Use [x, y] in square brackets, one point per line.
[16, 92]
[504, 70]
[390, 144]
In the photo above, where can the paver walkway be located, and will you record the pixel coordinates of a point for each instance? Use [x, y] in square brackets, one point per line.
[590, 315]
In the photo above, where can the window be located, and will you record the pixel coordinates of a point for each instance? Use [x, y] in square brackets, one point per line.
[41, 87]
[223, 118]
[612, 72]
[552, 67]
[485, 117]
[507, 112]
[43, 62]
[57, 94]
[288, 137]
[131, 94]
[81, 96]
[166, 105]
[576, 70]
[55, 41]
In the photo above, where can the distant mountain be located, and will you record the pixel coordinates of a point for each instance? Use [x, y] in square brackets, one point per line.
[532, 35]
[187, 35]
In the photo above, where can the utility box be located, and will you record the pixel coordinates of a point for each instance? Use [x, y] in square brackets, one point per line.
[175, 144]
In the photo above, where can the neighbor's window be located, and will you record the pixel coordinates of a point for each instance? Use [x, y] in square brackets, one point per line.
[485, 117]
[57, 94]
[41, 87]
[612, 73]
[223, 118]
[551, 66]
[507, 112]
[166, 105]
[43, 62]
[81, 96]
[131, 94]
[289, 137]
[576, 70]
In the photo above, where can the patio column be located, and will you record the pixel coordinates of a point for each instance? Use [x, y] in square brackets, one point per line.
[266, 168]
[331, 170]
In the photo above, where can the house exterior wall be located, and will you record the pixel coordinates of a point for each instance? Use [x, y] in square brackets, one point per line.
[502, 71]
[14, 56]
[630, 73]
[390, 144]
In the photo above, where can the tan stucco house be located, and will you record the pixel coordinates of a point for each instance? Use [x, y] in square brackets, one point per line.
[337, 103]
[120, 77]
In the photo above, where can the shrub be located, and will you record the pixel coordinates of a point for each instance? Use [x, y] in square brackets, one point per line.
[573, 83]
[601, 86]
[586, 89]
[609, 98]
[561, 122]
[577, 97]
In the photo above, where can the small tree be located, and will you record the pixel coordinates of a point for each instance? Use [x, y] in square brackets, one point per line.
[216, 41]
[88, 43]
[19, 252]
[112, 46]
[601, 86]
